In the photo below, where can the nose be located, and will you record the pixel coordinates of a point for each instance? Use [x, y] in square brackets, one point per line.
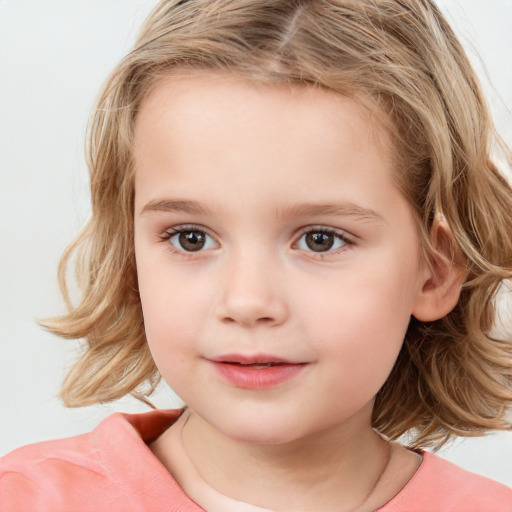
[252, 293]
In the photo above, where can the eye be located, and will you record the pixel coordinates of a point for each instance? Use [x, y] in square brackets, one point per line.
[322, 240]
[190, 239]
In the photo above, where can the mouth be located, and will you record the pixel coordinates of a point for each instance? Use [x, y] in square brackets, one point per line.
[254, 365]
[261, 371]
[254, 360]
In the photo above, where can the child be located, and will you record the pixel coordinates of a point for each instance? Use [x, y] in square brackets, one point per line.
[297, 224]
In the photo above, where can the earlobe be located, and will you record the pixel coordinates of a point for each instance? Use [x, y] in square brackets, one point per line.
[444, 276]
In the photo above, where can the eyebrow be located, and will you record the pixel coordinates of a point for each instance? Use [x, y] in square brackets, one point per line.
[176, 205]
[346, 209]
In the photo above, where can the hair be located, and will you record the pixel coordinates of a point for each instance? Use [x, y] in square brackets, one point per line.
[452, 376]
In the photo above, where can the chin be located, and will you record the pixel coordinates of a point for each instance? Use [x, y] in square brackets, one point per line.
[260, 428]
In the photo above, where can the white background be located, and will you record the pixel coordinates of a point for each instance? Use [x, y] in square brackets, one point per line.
[54, 55]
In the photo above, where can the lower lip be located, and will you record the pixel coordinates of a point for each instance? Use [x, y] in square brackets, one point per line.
[250, 377]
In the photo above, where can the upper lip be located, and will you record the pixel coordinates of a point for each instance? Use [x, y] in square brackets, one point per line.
[252, 359]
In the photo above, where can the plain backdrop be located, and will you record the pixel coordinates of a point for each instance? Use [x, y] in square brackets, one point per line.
[54, 56]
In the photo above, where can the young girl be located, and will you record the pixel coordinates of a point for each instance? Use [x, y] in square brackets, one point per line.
[298, 225]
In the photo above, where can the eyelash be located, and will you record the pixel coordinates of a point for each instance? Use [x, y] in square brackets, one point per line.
[340, 235]
[175, 231]
[347, 241]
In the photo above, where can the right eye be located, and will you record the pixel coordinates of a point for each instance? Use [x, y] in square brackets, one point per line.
[190, 239]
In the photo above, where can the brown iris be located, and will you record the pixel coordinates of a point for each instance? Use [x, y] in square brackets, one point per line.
[192, 240]
[319, 242]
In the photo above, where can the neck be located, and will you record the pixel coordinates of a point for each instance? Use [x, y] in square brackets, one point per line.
[320, 472]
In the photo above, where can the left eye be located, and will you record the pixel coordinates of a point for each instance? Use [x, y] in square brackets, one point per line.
[321, 241]
[191, 240]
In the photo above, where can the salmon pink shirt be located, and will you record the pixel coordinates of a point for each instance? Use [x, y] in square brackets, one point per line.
[112, 469]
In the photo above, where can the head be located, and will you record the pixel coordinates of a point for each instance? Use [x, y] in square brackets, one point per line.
[402, 64]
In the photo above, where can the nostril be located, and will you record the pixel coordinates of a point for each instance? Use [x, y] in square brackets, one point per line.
[246, 308]
[265, 320]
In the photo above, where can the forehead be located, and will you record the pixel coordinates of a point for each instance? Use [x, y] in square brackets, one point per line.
[202, 134]
[197, 98]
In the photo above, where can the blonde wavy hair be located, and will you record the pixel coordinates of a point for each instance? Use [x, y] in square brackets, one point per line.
[453, 376]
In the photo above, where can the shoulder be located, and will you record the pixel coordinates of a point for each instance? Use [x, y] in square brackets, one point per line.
[440, 485]
[40, 475]
[90, 471]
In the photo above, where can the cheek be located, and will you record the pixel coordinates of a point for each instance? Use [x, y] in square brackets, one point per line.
[360, 300]
[171, 307]
[168, 310]
[169, 332]
[360, 321]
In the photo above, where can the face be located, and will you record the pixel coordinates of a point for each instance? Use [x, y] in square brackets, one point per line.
[278, 263]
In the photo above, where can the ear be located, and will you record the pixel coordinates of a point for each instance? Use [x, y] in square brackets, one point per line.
[443, 277]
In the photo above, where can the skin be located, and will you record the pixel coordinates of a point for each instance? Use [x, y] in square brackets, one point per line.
[248, 154]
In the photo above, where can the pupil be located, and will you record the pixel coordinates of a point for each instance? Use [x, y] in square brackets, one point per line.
[192, 240]
[319, 242]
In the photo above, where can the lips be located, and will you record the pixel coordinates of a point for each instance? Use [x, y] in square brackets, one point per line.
[252, 359]
[258, 365]
[259, 371]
